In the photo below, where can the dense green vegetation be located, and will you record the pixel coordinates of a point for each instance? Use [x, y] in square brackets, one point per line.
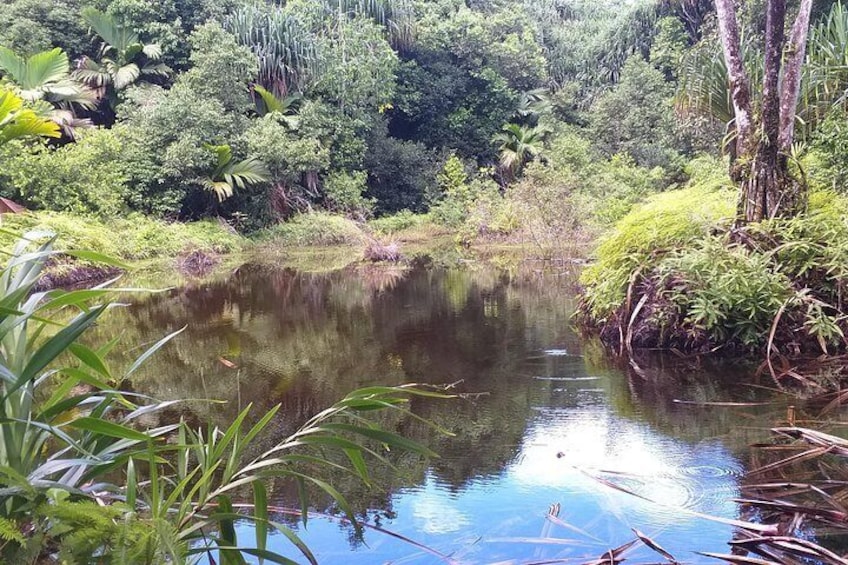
[255, 112]
[326, 123]
[703, 144]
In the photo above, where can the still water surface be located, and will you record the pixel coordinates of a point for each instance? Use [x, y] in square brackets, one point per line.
[555, 417]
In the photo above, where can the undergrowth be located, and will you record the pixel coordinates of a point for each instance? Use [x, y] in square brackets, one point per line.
[673, 273]
[133, 238]
[315, 228]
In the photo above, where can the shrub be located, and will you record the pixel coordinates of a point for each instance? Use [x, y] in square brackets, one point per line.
[316, 228]
[665, 222]
[726, 290]
[343, 193]
[400, 221]
[86, 177]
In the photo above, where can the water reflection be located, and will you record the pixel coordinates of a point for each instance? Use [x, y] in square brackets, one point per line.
[556, 422]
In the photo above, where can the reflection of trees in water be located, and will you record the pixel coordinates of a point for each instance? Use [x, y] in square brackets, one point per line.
[304, 340]
[689, 398]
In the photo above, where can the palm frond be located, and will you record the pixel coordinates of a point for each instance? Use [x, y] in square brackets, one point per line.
[45, 68]
[18, 122]
[229, 175]
[115, 35]
[126, 75]
[92, 73]
[10, 64]
[152, 51]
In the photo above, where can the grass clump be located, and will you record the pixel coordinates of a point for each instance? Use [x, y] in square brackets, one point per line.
[672, 274]
[316, 228]
[137, 237]
[663, 223]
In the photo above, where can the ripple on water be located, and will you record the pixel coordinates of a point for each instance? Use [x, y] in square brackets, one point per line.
[710, 471]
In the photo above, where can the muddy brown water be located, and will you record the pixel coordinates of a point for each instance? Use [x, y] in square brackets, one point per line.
[556, 413]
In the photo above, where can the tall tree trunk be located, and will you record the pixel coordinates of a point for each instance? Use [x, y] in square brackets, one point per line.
[767, 189]
[740, 90]
[761, 192]
[796, 52]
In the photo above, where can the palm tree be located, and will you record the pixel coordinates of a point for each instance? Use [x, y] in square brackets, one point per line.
[47, 76]
[123, 57]
[228, 174]
[284, 108]
[18, 122]
[518, 144]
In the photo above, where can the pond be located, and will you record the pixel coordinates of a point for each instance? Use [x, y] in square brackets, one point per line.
[541, 458]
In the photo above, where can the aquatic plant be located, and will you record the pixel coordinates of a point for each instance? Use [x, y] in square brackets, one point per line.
[88, 475]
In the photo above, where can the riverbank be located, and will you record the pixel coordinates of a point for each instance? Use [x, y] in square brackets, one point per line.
[675, 273]
[312, 242]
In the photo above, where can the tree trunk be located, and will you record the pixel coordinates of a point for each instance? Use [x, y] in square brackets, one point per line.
[767, 189]
[796, 52]
[760, 194]
[740, 91]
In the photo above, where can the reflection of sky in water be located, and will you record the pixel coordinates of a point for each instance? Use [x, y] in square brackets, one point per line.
[305, 340]
[501, 518]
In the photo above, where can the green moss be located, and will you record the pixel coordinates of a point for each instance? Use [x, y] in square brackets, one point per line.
[664, 222]
[316, 228]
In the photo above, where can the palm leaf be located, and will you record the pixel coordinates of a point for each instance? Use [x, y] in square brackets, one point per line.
[19, 122]
[93, 73]
[247, 172]
[118, 37]
[12, 65]
[152, 51]
[45, 68]
[126, 75]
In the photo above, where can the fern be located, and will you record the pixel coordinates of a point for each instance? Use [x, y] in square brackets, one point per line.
[9, 531]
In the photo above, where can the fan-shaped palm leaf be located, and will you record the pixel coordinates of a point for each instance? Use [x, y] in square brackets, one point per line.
[229, 175]
[45, 76]
[18, 122]
[126, 75]
[123, 57]
[115, 36]
[518, 144]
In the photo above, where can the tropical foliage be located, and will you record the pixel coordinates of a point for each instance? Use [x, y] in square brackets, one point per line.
[19, 122]
[83, 475]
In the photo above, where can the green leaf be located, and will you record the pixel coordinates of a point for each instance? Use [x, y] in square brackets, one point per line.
[90, 358]
[107, 428]
[260, 514]
[56, 345]
[153, 349]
